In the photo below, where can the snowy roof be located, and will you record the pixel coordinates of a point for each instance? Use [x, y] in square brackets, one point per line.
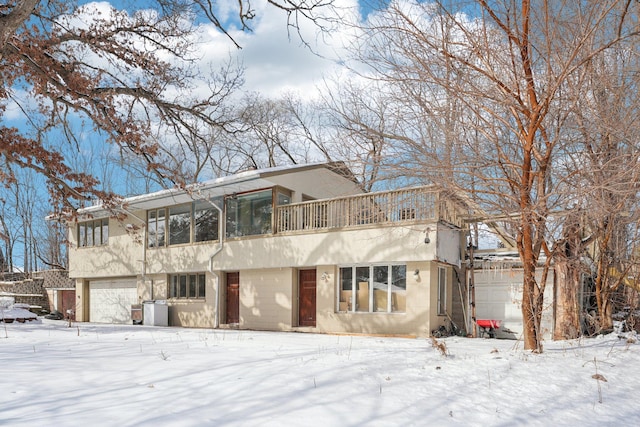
[239, 183]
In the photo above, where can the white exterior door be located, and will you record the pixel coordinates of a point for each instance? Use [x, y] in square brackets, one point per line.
[110, 300]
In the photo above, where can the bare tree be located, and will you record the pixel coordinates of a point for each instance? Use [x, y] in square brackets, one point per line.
[605, 167]
[130, 73]
[479, 89]
[5, 237]
[273, 132]
[361, 116]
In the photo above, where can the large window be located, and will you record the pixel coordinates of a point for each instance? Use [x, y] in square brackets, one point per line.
[93, 233]
[190, 286]
[442, 291]
[373, 288]
[249, 214]
[192, 222]
[205, 222]
[179, 224]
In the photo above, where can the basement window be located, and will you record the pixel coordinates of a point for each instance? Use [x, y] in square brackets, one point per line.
[187, 286]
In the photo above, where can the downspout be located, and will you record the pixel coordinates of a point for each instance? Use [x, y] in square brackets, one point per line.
[216, 319]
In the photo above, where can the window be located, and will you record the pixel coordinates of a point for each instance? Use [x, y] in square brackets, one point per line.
[442, 291]
[190, 286]
[249, 214]
[283, 199]
[180, 224]
[373, 288]
[89, 233]
[155, 227]
[205, 222]
[284, 215]
[193, 222]
[93, 233]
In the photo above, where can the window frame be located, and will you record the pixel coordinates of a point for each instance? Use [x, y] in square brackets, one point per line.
[205, 206]
[241, 219]
[154, 221]
[176, 235]
[180, 286]
[160, 219]
[92, 231]
[441, 307]
[348, 301]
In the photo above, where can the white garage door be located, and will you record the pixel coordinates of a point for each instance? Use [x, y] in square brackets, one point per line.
[499, 296]
[110, 300]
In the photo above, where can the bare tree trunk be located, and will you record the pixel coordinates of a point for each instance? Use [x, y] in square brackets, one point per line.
[603, 290]
[531, 310]
[568, 267]
[567, 313]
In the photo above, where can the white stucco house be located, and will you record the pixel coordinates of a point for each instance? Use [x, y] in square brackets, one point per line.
[298, 248]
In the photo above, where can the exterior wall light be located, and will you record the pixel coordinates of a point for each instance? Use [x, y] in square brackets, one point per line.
[427, 240]
[416, 274]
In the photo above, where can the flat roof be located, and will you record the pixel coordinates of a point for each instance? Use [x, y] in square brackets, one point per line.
[239, 183]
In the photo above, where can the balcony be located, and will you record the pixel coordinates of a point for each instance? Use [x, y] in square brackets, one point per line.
[414, 205]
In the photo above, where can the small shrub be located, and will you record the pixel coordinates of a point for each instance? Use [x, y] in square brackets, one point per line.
[440, 346]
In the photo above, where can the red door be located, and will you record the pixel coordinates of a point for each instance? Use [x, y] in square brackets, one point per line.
[68, 303]
[307, 305]
[233, 297]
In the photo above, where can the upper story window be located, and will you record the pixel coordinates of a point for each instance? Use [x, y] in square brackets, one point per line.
[156, 226]
[181, 224]
[93, 233]
[283, 198]
[249, 214]
[205, 222]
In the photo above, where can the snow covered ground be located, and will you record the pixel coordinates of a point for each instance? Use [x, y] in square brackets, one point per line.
[106, 375]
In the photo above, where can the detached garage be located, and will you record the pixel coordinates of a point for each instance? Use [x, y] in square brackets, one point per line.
[110, 300]
[498, 296]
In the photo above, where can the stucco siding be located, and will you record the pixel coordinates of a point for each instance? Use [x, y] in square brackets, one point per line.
[414, 321]
[266, 299]
[122, 256]
[319, 183]
[268, 266]
[372, 245]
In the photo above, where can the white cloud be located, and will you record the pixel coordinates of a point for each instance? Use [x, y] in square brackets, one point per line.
[274, 55]
[275, 58]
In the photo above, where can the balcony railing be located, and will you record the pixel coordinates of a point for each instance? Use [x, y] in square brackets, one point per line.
[408, 205]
